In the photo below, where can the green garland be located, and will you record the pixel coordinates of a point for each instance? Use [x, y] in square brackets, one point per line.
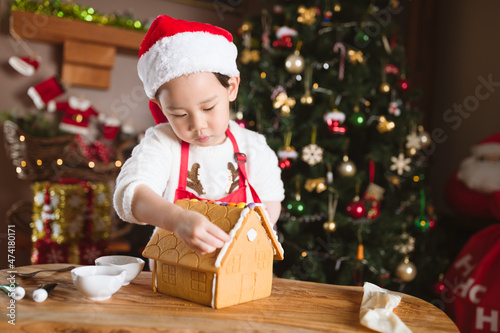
[70, 10]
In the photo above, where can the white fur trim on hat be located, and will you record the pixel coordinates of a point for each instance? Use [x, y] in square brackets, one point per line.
[335, 116]
[22, 66]
[186, 53]
[37, 99]
[288, 153]
[75, 129]
[486, 149]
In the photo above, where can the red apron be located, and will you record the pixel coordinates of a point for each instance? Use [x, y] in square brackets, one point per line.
[240, 195]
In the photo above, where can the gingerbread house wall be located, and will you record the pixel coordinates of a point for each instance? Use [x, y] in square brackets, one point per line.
[186, 283]
[247, 272]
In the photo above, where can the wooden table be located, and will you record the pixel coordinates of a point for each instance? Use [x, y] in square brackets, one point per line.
[294, 306]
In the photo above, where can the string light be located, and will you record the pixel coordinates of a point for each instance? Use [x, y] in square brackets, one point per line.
[73, 11]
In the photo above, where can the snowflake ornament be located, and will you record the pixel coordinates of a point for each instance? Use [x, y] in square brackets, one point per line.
[407, 244]
[413, 141]
[312, 154]
[75, 226]
[55, 255]
[400, 164]
[90, 253]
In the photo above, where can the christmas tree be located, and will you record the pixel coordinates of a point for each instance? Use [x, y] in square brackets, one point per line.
[326, 83]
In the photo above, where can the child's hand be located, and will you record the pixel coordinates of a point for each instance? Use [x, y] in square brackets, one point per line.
[199, 233]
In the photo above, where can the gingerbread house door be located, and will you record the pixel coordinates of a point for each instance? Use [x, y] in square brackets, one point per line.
[247, 287]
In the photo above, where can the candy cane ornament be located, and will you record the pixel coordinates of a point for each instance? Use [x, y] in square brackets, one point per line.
[336, 48]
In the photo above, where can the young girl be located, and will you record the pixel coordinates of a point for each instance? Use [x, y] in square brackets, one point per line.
[189, 71]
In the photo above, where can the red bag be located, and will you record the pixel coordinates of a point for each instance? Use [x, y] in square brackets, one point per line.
[472, 284]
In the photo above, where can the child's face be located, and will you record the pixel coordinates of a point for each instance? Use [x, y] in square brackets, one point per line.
[197, 107]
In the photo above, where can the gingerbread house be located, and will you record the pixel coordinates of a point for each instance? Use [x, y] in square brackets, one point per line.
[240, 271]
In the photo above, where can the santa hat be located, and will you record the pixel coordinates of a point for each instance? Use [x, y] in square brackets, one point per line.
[45, 91]
[285, 31]
[110, 128]
[488, 146]
[26, 66]
[172, 48]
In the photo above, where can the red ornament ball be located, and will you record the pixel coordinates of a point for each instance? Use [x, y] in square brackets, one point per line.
[403, 85]
[284, 163]
[438, 288]
[356, 209]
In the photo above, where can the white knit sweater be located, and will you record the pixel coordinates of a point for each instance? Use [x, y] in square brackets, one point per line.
[155, 162]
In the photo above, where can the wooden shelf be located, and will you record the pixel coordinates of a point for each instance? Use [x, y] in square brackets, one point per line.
[89, 48]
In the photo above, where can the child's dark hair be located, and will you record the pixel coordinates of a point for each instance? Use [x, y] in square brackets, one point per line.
[223, 79]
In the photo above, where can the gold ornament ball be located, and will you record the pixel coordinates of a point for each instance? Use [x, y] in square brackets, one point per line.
[406, 271]
[329, 226]
[307, 99]
[294, 63]
[385, 88]
[411, 151]
[346, 169]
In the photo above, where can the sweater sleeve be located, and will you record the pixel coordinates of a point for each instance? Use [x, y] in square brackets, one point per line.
[148, 165]
[264, 173]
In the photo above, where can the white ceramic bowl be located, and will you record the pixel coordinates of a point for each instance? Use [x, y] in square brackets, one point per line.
[98, 283]
[132, 265]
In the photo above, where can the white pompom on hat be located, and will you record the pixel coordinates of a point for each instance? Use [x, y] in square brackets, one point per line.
[172, 48]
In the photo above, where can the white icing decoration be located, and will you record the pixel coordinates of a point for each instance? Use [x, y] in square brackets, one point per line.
[232, 233]
[212, 303]
[274, 232]
[252, 234]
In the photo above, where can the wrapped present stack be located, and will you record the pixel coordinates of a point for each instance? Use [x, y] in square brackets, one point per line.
[71, 221]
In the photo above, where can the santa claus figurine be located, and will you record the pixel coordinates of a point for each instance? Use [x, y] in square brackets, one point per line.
[474, 189]
[76, 114]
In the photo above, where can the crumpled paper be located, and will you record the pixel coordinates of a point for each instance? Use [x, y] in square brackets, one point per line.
[376, 310]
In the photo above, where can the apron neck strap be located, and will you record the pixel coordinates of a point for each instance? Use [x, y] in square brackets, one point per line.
[240, 158]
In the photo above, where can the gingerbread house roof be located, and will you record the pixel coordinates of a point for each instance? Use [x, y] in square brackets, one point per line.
[167, 247]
